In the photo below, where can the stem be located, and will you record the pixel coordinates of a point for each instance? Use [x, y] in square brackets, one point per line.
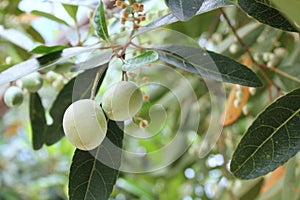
[282, 73]
[96, 81]
[246, 48]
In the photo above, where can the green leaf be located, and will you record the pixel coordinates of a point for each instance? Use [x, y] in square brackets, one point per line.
[140, 60]
[100, 22]
[94, 173]
[184, 10]
[47, 49]
[271, 140]
[49, 16]
[207, 6]
[265, 13]
[290, 10]
[37, 120]
[55, 131]
[21, 69]
[208, 64]
[71, 10]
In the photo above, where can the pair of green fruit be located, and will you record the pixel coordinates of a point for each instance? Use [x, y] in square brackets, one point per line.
[14, 95]
[84, 121]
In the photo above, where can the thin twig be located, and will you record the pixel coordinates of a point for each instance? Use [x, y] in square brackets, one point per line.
[96, 81]
[246, 48]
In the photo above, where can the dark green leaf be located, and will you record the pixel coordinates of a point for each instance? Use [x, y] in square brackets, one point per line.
[47, 49]
[71, 10]
[37, 120]
[100, 22]
[94, 173]
[21, 69]
[208, 64]
[265, 13]
[55, 132]
[184, 10]
[49, 16]
[140, 60]
[207, 6]
[271, 140]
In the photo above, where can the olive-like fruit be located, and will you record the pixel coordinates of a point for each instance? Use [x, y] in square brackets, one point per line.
[32, 82]
[13, 96]
[84, 124]
[122, 100]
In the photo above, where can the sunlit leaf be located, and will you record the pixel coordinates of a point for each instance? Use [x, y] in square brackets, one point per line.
[100, 22]
[208, 64]
[265, 13]
[49, 16]
[94, 173]
[140, 60]
[271, 140]
[71, 10]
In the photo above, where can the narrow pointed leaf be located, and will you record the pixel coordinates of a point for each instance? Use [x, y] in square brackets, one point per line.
[184, 9]
[93, 174]
[100, 22]
[139, 61]
[49, 16]
[37, 121]
[272, 139]
[208, 64]
[263, 11]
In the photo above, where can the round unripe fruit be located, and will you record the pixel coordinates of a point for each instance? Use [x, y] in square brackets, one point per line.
[32, 82]
[13, 96]
[84, 124]
[122, 101]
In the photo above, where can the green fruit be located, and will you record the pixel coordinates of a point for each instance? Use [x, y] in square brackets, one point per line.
[122, 101]
[32, 82]
[13, 96]
[84, 124]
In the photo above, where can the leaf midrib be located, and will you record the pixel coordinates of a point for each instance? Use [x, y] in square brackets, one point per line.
[91, 175]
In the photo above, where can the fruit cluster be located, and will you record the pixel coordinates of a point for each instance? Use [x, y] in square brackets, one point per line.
[84, 121]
